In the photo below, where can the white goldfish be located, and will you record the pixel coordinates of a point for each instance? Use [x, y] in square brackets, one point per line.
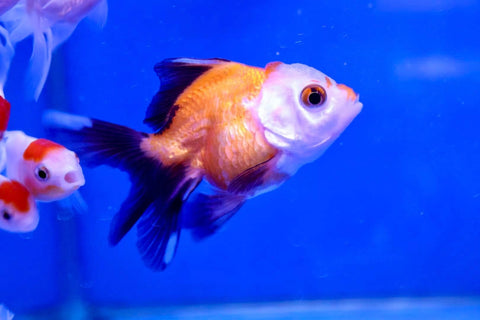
[50, 22]
[47, 169]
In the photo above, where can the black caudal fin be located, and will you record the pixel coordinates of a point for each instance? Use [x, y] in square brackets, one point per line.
[158, 234]
[175, 76]
[207, 213]
[157, 192]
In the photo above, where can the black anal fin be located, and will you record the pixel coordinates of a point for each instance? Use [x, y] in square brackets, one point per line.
[175, 76]
[207, 213]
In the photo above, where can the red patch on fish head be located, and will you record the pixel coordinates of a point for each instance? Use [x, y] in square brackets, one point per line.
[271, 66]
[38, 149]
[329, 82]
[351, 95]
[4, 114]
[15, 193]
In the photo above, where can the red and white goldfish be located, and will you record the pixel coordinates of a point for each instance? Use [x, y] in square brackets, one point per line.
[18, 211]
[47, 169]
[244, 129]
[50, 22]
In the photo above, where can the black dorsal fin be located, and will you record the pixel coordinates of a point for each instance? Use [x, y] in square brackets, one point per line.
[175, 76]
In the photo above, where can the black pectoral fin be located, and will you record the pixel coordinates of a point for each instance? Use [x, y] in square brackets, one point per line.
[251, 178]
[175, 76]
[207, 213]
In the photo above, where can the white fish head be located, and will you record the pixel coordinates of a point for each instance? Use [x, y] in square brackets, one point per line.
[18, 211]
[56, 176]
[48, 170]
[303, 111]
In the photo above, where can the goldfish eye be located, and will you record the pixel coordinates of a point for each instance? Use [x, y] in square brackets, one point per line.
[313, 96]
[42, 174]
[6, 215]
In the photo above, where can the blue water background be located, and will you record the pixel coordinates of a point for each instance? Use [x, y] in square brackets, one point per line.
[392, 208]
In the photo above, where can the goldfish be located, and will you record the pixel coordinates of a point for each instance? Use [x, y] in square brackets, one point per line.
[50, 22]
[18, 210]
[243, 129]
[47, 169]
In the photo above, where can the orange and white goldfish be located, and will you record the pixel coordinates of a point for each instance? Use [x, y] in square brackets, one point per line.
[243, 129]
[50, 22]
[47, 169]
[18, 211]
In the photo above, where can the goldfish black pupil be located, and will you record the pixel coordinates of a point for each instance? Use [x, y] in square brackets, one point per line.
[6, 215]
[42, 173]
[314, 97]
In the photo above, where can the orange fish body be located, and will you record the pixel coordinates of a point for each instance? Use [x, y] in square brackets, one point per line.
[213, 130]
[243, 129]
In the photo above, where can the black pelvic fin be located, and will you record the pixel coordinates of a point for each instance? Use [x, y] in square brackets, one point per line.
[207, 213]
[175, 76]
[251, 178]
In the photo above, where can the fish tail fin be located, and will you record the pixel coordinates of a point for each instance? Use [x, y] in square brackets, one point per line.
[20, 24]
[157, 192]
[99, 13]
[6, 55]
[39, 62]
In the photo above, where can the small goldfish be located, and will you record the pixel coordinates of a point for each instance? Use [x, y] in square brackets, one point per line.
[243, 129]
[47, 169]
[18, 211]
[50, 22]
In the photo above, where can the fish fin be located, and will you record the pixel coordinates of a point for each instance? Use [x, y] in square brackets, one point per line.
[6, 55]
[61, 31]
[158, 235]
[97, 142]
[252, 178]
[5, 314]
[18, 22]
[100, 142]
[68, 207]
[175, 76]
[99, 13]
[39, 62]
[158, 230]
[205, 214]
